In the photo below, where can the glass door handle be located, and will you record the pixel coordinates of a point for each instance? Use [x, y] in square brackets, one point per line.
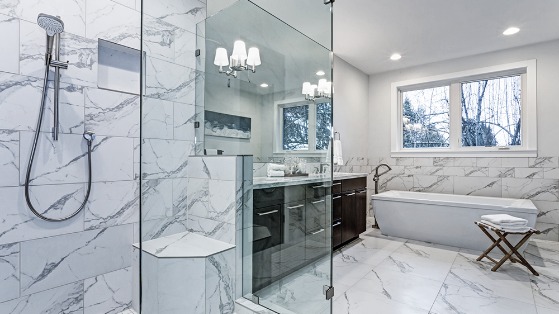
[296, 206]
[268, 213]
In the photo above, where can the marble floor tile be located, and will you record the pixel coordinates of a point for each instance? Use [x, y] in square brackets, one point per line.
[465, 299]
[412, 290]
[355, 301]
[545, 310]
[546, 288]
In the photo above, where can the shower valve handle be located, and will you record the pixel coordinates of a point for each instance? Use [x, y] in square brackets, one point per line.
[89, 136]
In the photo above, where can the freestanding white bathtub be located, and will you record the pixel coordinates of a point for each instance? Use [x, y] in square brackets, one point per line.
[444, 218]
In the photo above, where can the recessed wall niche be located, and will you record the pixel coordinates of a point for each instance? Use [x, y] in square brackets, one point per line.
[119, 67]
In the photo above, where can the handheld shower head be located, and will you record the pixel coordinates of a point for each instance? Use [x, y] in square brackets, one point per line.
[52, 25]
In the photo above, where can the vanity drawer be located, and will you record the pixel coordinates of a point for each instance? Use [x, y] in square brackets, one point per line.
[318, 190]
[268, 197]
[354, 184]
[294, 193]
[337, 187]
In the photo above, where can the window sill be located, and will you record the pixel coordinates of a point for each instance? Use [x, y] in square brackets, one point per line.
[301, 153]
[474, 153]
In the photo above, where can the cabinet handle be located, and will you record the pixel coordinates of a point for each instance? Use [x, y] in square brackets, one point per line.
[316, 202]
[337, 224]
[351, 194]
[319, 186]
[296, 206]
[339, 183]
[317, 232]
[336, 197]
[364, 191]
[268, 213]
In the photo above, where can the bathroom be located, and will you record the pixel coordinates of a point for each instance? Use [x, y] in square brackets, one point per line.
[157, 173]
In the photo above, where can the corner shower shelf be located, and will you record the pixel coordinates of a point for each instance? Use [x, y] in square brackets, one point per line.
[187, 273]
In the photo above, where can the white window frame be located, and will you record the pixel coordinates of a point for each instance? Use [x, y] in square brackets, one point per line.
[528, 148]
[278, 127]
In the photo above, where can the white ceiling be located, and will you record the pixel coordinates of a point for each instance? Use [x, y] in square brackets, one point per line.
[367, 32]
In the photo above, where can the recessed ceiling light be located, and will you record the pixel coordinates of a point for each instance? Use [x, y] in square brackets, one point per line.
[395, 56]
[264, 85]
[511, 31]
[320, 73]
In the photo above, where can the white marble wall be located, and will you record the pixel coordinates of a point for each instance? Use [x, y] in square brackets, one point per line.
[536, 179]
[82, 265]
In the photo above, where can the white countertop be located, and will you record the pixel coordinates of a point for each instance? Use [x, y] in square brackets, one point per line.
[270, 182]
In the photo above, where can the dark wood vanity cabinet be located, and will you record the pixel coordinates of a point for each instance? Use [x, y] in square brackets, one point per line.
[349, 203]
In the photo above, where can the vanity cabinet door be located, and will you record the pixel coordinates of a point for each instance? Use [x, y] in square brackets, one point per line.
[349, 225]
[292, 254]
[315, 215]
[266, 241]
[361, 211]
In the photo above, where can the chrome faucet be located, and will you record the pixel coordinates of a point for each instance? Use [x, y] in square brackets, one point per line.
[377, 175]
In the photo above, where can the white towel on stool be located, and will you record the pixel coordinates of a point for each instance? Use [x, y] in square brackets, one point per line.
[338, 158]
[275, 173]
[505, 220]
[507, 229]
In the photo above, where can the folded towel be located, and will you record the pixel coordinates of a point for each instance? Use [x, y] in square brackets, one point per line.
[504, 219]
[279, 167]
[507, 229]
[275, 173]
[338, 159]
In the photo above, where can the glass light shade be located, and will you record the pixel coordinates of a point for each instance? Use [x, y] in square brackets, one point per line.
[306, 88]
[313, 89]
[328, 88]
[253, 57]
[239, 50]
[221, 58]
[322, 85]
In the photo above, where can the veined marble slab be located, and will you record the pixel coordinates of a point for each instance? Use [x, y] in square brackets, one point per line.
[184, 244]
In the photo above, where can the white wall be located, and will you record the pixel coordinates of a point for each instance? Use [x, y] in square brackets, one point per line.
[351, 110]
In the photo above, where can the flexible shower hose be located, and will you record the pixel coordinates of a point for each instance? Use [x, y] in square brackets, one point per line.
[88, 136]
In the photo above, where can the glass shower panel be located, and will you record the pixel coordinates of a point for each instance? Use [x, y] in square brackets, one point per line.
[286, 227]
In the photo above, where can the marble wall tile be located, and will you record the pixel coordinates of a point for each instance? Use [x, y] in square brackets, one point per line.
[169, 81]
[184, 118]
[443, 161]
[454, 171]
[127, 3]
[220, 286]
[214, 167]
[433, 184]
[82, 56]
[165, 158]
[9, 271]
[477, 186]
[509, 162]
[114, 157]
[476, 172]
[112, 113]
[465, 162]
[32, 47]
[54, 261]
[423, 162]
[543, 162]
[488, 162]
[403, 161]
[157, 119]
[213, 229]
[19, 224]
[548, 211]
[534, 189]
[427, 170]
[159, 38]
[71, 11]
[186, 44]
[20, 100]
[551, 173]
[157, 199]
[182, 13]
[71, 109]
[67, 299]
[149, 284]
[529, 173]
[153, 229]
[108, 293]
[111, 204]
[114, 22]
[501, 172]
[9, 158]
[136, 156]
[175, 277]
[549, 232]
[9, 54]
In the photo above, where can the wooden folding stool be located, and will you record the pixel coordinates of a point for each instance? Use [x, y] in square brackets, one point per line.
[513, 249]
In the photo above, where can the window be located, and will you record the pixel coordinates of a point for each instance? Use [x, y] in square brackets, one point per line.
[489, 111]
[303, 126]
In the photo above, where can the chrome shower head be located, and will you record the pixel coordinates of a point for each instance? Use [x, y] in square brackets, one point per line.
[52, 25]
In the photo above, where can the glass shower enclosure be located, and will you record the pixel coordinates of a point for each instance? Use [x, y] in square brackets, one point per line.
[210, 123]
